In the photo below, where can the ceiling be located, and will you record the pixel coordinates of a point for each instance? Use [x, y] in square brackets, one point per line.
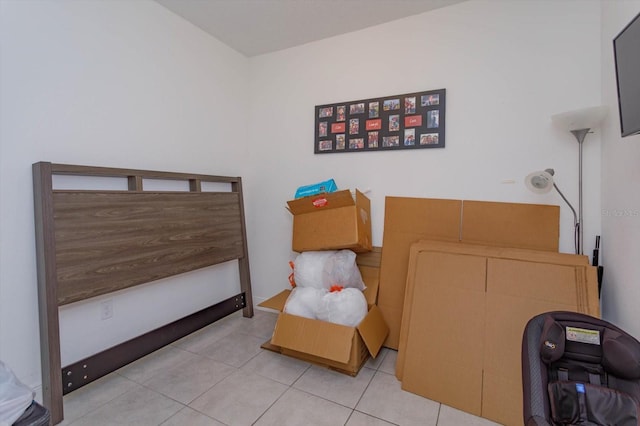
[254, 27]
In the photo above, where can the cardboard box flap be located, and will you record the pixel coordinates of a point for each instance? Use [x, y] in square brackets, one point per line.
[322, 339]
[276, 302]
[321, 201]
[373, 330]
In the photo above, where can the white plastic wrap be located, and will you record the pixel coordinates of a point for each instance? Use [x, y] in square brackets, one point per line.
[341, 269]
[15, 396]
[322, 269]
[309, 269]
[347, 307]
[303, 301]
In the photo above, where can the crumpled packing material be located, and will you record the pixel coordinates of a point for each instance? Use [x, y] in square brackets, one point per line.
[303, 301]
[347, 307]
[328, 287]
[15, 396]
[322, 269]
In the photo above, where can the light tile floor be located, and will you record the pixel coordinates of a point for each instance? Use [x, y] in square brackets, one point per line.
[220, 376]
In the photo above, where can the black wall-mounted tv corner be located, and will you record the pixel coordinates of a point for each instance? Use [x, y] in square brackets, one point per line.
[626, 48]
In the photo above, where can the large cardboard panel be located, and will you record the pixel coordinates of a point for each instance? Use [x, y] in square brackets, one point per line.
[406, 221]
[392, 274]
[555, 280]
[536, 281]
[555, 283]
[502, 399]
[516, 285]
[502, 363]
[437, 218]
[531, 226]
[505, 252]
[542, 281]
[447, 314]
[541, 287]
[446, 267]
[393, 278]
[414, 256]
[504, 338]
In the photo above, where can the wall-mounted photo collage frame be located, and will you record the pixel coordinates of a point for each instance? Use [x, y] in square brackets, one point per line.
[409, 121]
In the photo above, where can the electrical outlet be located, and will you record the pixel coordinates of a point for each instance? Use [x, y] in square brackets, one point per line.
[106, 309]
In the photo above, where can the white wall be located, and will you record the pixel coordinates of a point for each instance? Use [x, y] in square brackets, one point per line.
[507, 67]
[123, 84]
[620, 180]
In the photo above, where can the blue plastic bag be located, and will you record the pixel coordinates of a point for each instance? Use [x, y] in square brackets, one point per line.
[316, 188]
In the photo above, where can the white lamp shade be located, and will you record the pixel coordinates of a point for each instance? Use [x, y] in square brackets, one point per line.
[585, 118]
[539, 182]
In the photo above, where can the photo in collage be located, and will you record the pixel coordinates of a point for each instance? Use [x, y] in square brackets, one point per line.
[409, 121]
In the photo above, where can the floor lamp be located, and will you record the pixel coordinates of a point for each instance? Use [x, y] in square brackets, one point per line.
[579, 123]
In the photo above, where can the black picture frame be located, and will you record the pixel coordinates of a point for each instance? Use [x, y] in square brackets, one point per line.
[409, 121]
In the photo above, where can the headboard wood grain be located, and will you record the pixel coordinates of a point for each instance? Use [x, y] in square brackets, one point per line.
[110, 241]
[94, 242]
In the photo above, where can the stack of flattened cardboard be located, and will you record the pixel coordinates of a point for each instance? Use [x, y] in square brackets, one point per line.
[332, 221]
[458, 282]
[464, 315]
[407, 220]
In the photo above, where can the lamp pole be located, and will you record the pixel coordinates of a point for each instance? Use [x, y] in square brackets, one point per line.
[580, 135]
[579, 122]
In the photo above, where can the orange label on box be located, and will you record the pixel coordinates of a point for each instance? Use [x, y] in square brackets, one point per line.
[320, 202]
[413, 121]
[374, 124]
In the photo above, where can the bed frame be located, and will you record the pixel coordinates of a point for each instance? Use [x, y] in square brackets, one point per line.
[94, 242]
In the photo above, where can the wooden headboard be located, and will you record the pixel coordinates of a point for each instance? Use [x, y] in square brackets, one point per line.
[94, 242]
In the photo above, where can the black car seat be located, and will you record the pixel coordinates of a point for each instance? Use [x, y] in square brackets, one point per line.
[579, 370]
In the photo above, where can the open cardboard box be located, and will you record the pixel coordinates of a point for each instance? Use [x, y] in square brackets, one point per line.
[338, 347]
[331, 221]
